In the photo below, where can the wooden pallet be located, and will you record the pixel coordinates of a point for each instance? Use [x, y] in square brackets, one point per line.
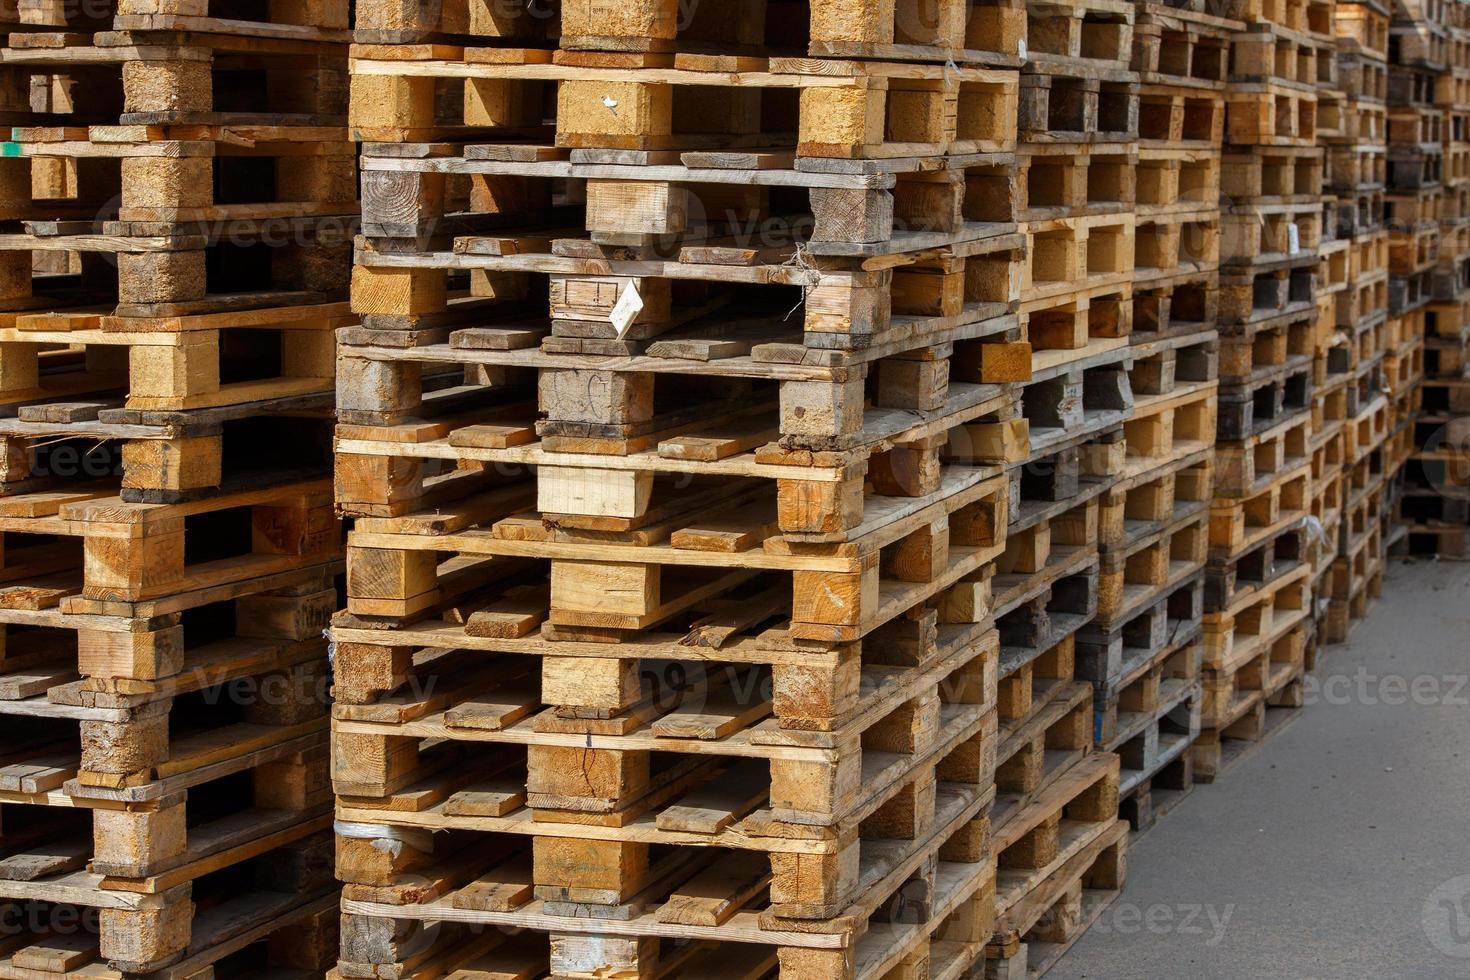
[1449, 320]
[1303, 16]
[165, 457]
[1081, 891]
[1244, 708]
[1367, 428]
[1366, 505]
[1070, 103]
[175, 283]
[1360, 210]
[1363, 79]
[1171, 117]
[1424, 505]
[140, 78]
[1176, 247]
[1078, 324]
[1152, 726]
[1345, 613]
[838, 109]
[1270, 113]
[705, 717]
[1090, 33]
[1360, 166]
[1070, 400]
[1040, 609]
[1247, 620]
[1270, 536]
[1244, 466]
[1406, 293]
[1271, 393]
[187, 735]
[1160, 550]
[88, 549]
[1066, 256]
[1421, 39]
[842, 305]
[1342, 119]
[1330, 398]
[1362, 30]
[1045, 588]
[761, 198]
[1114, 655]
[1356, 582]
[1367, 295]
[1155, 797]
[1264, 291]
[1173, 180]
[306, 171]
[395, 571]
[762, 431]
[1175, 307]
[127, 680]
[1048, 853]
[1171, 369]
[71, 366]
[1415, 149]
[1413, 253]
[1064, 180]
[913, 889]
[1321, 550]
[1176, 45]
[1266, 53]
[957, 30]
[1146, 495]
[1332, 268]
[1045, 723]
[1432, 541]
[264, 929]
[1258, 233]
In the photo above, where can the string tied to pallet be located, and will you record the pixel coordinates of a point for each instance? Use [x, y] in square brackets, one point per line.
[808, 276]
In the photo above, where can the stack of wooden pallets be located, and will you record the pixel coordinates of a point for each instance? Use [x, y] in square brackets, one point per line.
[683, 439]
[1142, 651]
[1275, 230]
[179, 198]
[1352, 282]
[1422, 267]
[1432, 513]
[1079, 173]
[1403, 346]
[1356, 340]
[814, 465]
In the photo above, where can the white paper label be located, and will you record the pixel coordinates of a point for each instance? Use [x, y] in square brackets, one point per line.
[1293, 238]
[626, 309]
[1021, 48]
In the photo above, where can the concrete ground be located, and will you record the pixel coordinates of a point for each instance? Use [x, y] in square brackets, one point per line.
[1341, 847]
